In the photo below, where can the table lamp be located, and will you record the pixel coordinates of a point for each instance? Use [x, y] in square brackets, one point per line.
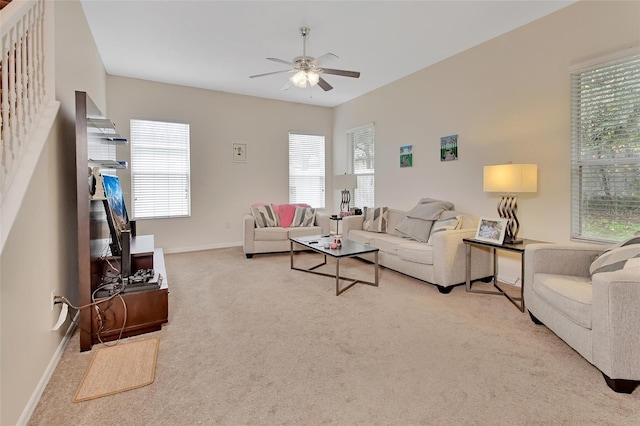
[510, 179]
[345, 182]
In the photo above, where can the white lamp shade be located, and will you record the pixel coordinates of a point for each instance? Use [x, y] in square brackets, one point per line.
[508, 178]
[345, 181]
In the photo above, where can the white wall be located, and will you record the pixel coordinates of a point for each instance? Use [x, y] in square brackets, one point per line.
[507, 99]
[222, 191]
[40, 255]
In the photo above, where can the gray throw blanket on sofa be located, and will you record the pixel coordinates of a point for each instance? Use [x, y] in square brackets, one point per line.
[418, 222]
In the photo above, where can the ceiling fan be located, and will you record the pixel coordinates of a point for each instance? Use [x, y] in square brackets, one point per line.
[306, 69]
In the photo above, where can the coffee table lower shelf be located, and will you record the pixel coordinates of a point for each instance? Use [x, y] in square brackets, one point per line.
[348, 249]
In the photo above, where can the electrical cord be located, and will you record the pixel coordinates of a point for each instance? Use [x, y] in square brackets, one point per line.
[101, 318]
[100, 312]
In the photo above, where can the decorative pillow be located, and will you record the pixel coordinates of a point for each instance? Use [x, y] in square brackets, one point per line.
[265, 216]
[375, 219]
[429, 210]
[445, 225]
[285, 212]
[303, 216]
[416, 229]
[620, 256]
[418, 222]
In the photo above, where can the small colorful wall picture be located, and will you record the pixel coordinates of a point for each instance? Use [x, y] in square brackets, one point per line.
[406, 156]
[240, 152]
[449, 148]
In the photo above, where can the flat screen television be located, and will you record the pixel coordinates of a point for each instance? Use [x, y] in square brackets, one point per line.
[116, 210]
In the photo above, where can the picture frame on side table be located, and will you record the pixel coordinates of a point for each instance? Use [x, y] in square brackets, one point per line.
[491, 230]
[239, 152]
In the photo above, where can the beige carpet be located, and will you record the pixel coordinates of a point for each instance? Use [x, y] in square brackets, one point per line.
[119, 368]
[250, 342]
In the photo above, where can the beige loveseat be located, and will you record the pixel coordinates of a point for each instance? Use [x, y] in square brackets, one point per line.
[273, 239]
[439, 259]
[593, 305]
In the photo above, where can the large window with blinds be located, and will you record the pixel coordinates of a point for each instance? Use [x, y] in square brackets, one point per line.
[605, 160]
[160, 169]
[360, 146]
[306, 169]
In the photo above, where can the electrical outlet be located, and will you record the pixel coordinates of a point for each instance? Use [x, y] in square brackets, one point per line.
[53, 299]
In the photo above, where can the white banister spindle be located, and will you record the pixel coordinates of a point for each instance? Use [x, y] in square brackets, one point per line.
[26, 100]
[4, 123]
[13, 119]
[40, 73]
[20, 116]
[29, 67]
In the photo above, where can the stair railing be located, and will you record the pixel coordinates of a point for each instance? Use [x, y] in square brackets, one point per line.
[27, 104]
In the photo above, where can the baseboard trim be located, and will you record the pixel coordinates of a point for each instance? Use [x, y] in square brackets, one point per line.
[201, 248]
[46, 376]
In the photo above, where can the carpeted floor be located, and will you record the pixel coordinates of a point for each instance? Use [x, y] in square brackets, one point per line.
[251, 342]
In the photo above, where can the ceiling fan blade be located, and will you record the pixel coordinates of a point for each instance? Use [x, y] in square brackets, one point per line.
[268, 73]
[324, 85]
[344, 73]
[325, 57]
[281, 61]
[286, 85]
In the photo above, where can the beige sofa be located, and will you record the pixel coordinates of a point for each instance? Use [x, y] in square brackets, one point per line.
[441, 262]
[596, 313]
[276, 238]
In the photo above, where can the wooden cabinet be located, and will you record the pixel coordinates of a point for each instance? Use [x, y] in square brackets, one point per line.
[130, 312]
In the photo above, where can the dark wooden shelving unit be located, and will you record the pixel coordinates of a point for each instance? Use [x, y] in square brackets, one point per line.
[146, 310]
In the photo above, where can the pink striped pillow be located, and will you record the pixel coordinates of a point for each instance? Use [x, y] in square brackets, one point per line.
[286, 212]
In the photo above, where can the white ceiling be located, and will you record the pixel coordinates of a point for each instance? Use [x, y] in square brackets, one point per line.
[217, 45]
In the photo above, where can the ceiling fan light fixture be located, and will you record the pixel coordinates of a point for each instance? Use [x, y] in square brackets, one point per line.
[303, 78]
[305, 70]
[313, 78]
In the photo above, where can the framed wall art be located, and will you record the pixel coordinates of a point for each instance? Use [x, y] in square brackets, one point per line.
[449, 148]
[406, 156]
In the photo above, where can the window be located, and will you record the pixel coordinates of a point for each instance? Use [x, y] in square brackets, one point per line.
[160, 169]
[306, 169]
[360, 143]
[605, 160]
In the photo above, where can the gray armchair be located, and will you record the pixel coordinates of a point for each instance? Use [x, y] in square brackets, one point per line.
[598, 316]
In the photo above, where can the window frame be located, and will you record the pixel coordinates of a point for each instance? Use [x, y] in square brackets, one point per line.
[316, 168]
[364, 194]
[605, 148]
[147, 171]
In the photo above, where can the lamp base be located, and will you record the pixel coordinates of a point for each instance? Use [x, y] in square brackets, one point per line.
[512, 241]
[346, 200]
[507, 209]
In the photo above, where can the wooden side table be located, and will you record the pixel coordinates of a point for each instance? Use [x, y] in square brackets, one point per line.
[514, 248]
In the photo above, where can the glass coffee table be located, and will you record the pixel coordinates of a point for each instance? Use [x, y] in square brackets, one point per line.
[316, 244]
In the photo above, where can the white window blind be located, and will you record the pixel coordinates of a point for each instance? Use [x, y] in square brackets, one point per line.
[306, 169]
[160, 169]
[605, 160]
[361, 149]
